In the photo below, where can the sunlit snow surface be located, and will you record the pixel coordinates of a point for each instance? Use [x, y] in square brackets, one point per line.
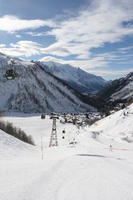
[88, 170]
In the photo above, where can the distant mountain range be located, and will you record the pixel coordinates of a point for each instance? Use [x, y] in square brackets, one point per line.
[78, 79]
[33, 89]
[102, 93]
[53, 87]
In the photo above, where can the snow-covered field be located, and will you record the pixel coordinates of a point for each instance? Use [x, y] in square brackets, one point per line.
[87, 170]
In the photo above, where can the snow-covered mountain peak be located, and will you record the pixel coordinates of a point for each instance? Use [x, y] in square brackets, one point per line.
[35, 90]
[80, 80]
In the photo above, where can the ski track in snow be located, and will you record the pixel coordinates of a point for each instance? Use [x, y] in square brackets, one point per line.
[85, 176]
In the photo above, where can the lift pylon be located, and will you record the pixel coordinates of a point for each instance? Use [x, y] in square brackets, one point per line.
[53, 137]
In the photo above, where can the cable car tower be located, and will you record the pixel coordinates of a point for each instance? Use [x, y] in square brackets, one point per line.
[53, 137]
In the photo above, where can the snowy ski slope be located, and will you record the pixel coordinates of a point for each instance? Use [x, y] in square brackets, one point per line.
[87, 170]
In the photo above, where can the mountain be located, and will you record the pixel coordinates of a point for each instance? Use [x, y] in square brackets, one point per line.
[33, 89]
[78, 79]
[117, 91]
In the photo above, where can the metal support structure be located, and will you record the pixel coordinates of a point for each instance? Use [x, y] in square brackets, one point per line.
[53, 137]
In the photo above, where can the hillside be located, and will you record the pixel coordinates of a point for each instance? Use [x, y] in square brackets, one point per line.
[117, 127]
[12, 148]
[35, 90]
[117, 91]
[78, 79]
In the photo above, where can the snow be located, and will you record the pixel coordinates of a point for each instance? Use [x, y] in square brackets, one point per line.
[87, 170]
[118, 126]
[12, 148]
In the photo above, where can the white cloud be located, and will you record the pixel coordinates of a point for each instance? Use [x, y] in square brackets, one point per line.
[29, 48]
[2, 45]
[13, 24]
[94, 26]
[18, 36]
[125, 50]
[35, 34]
[22, 48]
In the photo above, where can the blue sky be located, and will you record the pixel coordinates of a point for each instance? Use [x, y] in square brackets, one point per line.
[96, 35]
